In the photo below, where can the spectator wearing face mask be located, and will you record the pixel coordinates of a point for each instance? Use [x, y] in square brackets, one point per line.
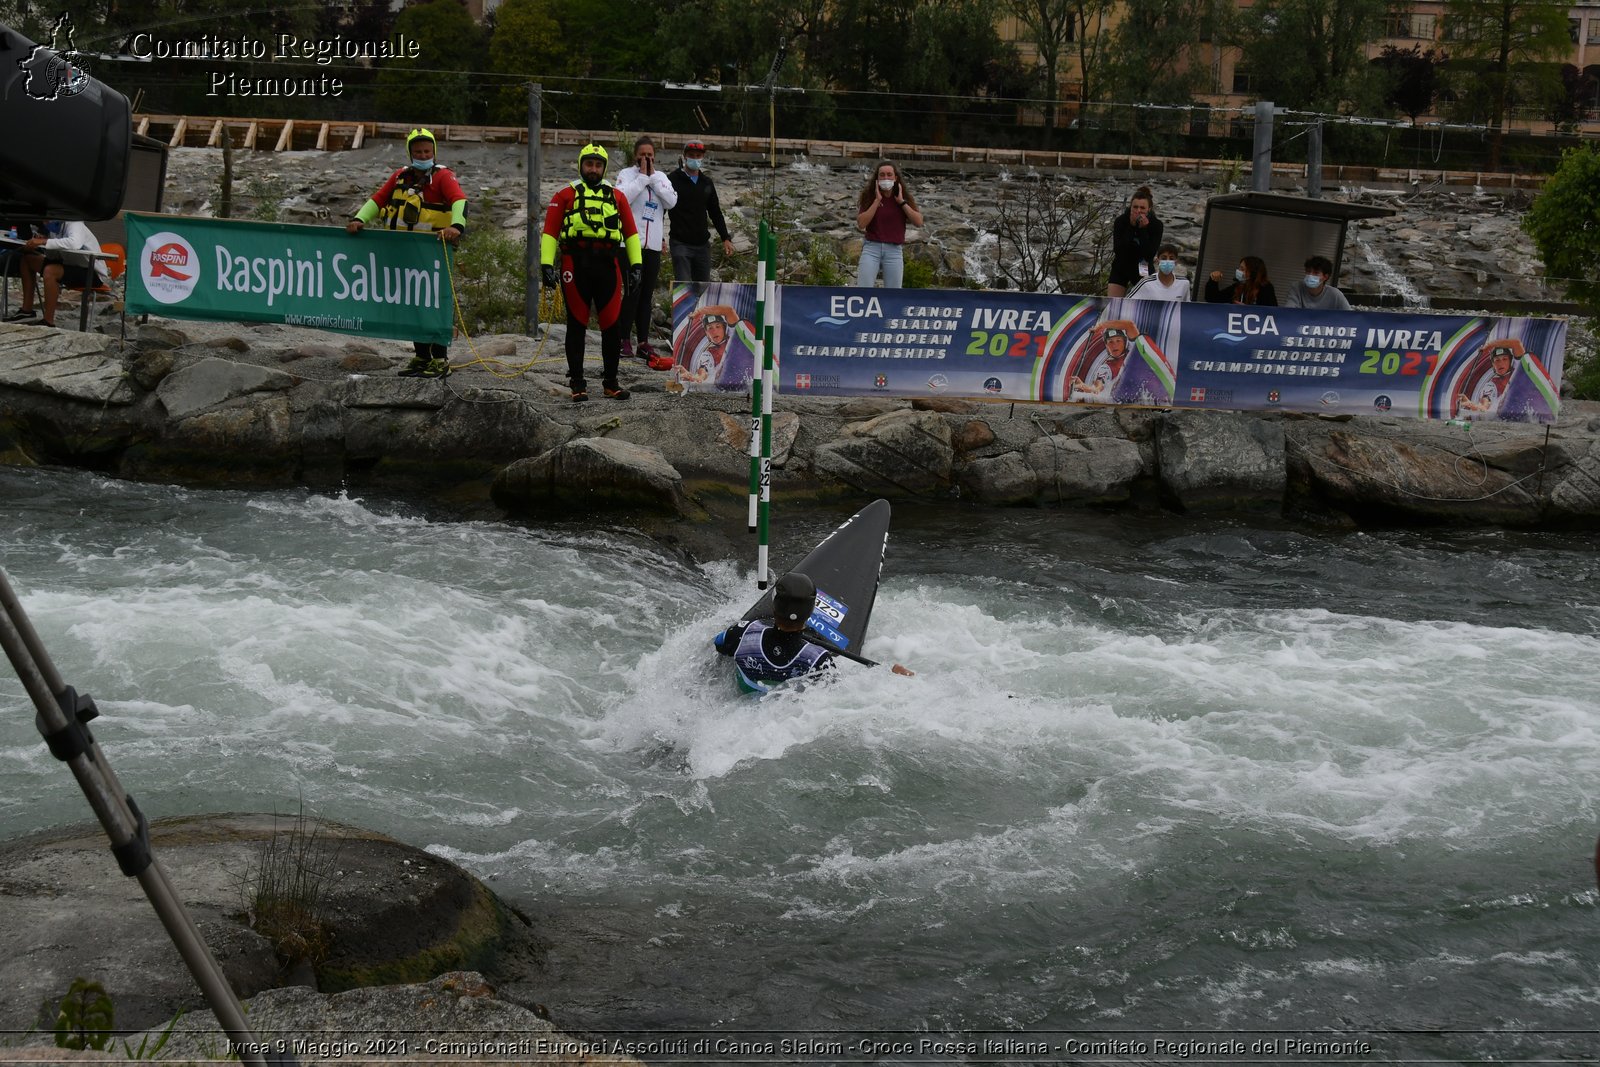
[423, 196]
[1314, 292]
[1164, 284]
[1250, 285]
[689, 244]
[882, 211]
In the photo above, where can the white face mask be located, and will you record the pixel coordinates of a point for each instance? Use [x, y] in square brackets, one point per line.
[1238, 274]
[886, 184]
[1313, 280]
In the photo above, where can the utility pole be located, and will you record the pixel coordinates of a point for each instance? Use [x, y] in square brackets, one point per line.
[1261, 162]
[534, 225]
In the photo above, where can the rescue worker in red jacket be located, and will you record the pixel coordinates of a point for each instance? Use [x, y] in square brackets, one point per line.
[590, 226]
[419, 196]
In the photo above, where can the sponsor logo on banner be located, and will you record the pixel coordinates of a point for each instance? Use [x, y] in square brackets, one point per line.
[169, 266]
[993, 385]
[802, 381]
[1196, 395]
[1382, 402]
[1330, 398]
[881, 381]
[937, 382]
[1273, 397]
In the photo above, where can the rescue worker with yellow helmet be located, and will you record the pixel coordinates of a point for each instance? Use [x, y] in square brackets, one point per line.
[589, 227]
[426, 197]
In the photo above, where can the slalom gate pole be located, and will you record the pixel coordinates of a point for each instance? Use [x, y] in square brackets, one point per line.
[63, 717]
[755, 389]
[769, 386]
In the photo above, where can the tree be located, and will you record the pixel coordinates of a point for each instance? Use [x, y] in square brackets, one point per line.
[1411, 79]
[526, 46]
[1056, 28]
[436, 86]
[1564, 223]
[1505, 51]
[1152, 56]
[1312, 53]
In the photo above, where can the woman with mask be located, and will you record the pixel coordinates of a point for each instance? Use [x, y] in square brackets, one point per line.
[882, 211]
[1250, 285]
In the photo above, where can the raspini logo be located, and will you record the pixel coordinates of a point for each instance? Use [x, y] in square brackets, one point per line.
[881, 381]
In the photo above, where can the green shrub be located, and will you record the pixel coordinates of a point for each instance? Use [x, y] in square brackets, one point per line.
[919, 274]
[491, 282]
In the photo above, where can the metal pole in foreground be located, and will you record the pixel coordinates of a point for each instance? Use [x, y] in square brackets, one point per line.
[534, 225]
[62, 720]
[1261, 162]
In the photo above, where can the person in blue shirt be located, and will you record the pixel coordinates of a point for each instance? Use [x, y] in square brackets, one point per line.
[769, 654]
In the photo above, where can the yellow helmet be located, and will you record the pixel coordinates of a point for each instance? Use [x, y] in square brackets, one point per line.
[422, 133]
[593, 150]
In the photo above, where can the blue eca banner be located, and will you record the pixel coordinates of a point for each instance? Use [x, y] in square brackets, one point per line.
[377, 283]
[1147, 353]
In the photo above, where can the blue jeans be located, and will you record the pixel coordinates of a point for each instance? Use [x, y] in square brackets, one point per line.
[891, 258]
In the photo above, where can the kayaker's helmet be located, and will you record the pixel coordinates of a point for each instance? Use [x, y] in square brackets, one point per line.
[793, 598]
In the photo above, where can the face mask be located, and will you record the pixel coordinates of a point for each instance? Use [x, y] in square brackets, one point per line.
[1166, 266]
[1313, 280]
[691, 164]
[1238, 275]
[886, 184]
[423, 165]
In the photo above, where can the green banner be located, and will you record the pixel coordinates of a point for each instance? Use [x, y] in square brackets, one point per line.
[377, 283]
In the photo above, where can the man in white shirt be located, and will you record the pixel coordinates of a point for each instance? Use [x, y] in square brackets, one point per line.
[1164, 284]
[61, 237]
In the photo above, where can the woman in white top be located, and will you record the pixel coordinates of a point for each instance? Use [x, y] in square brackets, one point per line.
[650, 195]
[1164, 284]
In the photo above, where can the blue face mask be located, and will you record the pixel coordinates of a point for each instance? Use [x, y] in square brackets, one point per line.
[1166, 266]
[1313, 280]
[423, 165]
[692, 164]
[1238, 274]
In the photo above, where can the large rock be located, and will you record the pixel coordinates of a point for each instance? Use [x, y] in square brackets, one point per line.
[1372, 475]
[212, 381]
[392, 913]
[73, 366]
[589, 473]
[1093, 471]
[1222, 461]
[898, 454]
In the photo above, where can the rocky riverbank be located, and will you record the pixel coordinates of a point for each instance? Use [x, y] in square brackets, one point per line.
[272, 406]
[412, 949]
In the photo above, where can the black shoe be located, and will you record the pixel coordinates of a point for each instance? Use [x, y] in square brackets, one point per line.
[616, 392]
[417, 368]
[580, 395]
[22, 315]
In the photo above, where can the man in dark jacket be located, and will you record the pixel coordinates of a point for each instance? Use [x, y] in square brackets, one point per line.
[689, 241]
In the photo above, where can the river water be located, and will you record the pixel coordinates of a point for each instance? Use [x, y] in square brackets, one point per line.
[1156, 780]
